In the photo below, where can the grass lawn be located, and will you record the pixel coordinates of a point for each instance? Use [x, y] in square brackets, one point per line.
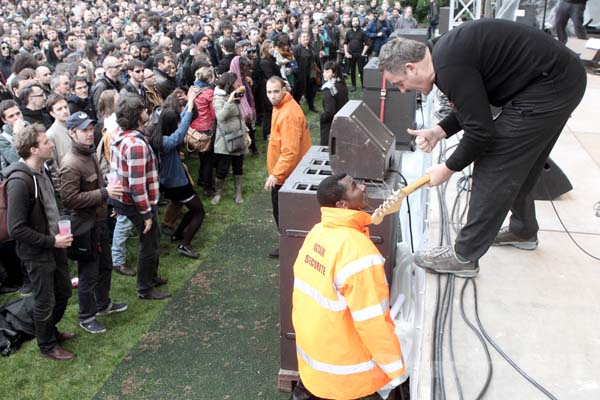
[26, 375]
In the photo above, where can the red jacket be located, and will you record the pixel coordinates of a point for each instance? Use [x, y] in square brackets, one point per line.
[206, 112]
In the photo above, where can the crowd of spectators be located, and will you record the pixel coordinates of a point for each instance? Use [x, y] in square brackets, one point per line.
[140, 75]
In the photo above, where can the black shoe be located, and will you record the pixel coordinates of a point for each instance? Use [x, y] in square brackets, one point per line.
[59, 354]
[187, 251]
[160, 281]
[92, 326]
[154, 294]
[506, 238]
[112, 308]
[124, 270]
[274, 253]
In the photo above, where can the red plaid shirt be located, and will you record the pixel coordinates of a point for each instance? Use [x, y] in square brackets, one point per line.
[132, 158]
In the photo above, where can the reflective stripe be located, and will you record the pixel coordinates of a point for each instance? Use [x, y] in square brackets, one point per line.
[392, 367]
[370, 312]
[323, 301]
[356, 266]
[336, 369]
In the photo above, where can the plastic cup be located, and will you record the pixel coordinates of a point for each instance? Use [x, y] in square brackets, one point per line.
[64, 227]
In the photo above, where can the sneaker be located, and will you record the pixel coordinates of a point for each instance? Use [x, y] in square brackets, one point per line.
[92, 326]
[112, 308]
[187, 251]
[25, 291]
[443, 260]
[506, 238]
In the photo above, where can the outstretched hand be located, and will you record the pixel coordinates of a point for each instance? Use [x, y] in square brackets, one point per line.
[427, 139]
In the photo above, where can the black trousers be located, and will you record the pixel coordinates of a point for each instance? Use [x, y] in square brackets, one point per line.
[565, 11]
[148, 256]
[224, 161]
[275, 203]
[356, 61]
[95, 276]
[504, 175]
[205, 173]
[51, 287]
[307, 87]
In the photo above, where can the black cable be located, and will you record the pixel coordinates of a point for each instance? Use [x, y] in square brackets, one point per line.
[450, 339]
[434, 339]
[501, 352]
[563, 224]
[410, 230]
[481, 339]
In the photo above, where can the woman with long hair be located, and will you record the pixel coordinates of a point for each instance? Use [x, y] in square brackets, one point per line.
[166, 140]
[241, 67]
[205, 77]
[335, 95]
[53, 53]
[229, 119]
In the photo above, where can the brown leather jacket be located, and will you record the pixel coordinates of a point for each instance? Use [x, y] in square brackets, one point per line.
[83, 189]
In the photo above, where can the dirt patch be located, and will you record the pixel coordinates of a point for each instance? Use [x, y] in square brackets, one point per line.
[201, 281]
[131, 386]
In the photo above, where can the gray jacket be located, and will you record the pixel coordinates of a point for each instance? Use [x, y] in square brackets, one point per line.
[229, 119]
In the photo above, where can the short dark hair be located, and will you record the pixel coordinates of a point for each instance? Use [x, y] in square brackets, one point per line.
[5, 105]
[76, 79]
[228, 45]
[25, 93]
[128, 110]
[330, 191]
[133, 64]
[52, 100]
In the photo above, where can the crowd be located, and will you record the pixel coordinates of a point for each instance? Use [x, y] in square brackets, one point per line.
[101, 103]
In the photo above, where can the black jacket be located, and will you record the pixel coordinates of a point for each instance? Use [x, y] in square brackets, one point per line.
[27, 221]
[331, 105]
[79, 104]
[37, 116]
[225, 63]
[101, 85]
[164, 85]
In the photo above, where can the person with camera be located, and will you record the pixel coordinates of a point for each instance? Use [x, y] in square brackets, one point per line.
[229, 116]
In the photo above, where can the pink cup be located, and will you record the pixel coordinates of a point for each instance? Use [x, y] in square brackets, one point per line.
[64, 227]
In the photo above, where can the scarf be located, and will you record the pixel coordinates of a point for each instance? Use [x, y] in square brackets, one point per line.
[247, 102]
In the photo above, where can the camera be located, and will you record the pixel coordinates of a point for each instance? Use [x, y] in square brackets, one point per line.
[239, 92]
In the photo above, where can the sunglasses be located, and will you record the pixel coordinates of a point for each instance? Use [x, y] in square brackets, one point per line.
[138, 71]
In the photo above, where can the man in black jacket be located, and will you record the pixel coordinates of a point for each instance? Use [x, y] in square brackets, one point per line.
[33, 100]
[536, 80]
[355, 50]
[135, 83]
[164, 82]
[33, 223]
[112, 71]
[303, 83]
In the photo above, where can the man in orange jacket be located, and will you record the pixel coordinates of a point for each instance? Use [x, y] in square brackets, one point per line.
[289, 142]
[345, 340]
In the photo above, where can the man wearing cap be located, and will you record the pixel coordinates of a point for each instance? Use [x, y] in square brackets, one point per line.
[85, 194]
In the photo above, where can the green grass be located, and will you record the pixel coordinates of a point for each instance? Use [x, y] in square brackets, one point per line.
[26, 375]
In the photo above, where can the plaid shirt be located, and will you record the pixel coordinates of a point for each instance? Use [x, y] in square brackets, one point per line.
[132, 158]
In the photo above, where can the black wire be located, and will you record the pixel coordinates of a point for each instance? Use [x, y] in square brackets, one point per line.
[481, 339]
[434, 383]
[410, 229]
[563, 224]
[501, 352]
[450, 339]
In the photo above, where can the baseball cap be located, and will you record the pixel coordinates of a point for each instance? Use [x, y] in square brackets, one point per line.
[78, 120]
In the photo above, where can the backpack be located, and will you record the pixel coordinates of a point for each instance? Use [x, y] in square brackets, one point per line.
[4, 235]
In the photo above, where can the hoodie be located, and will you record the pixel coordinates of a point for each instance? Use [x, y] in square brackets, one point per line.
[32, 211]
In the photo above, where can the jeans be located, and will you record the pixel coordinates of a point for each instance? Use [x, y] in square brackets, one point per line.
[95, 277]
[51, 287]
[573, 11]
[120, 235]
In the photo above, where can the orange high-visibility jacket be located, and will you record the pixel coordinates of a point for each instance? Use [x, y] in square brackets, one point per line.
[345, 338]
[289, 141]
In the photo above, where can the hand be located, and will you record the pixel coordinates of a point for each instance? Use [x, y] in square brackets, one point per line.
[231, 98]
[115, 190]
[249, 81]
[348, 55]
[428, 138]
[285, 61]
[63, 241]
[147, 225]
[438, 174]
[270, 183]
[321, 54]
